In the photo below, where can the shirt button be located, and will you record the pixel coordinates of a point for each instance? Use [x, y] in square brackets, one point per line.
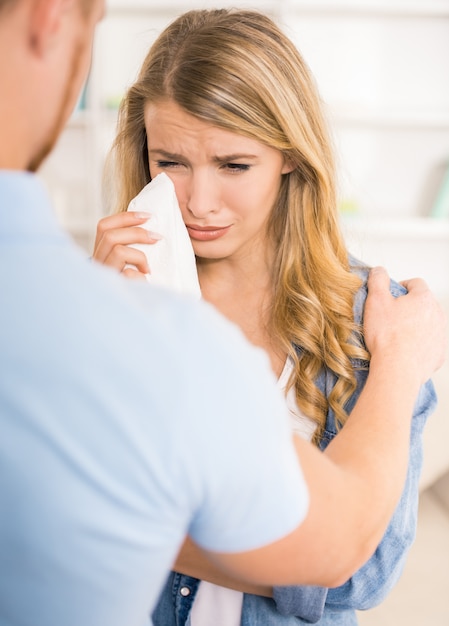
[184, 591]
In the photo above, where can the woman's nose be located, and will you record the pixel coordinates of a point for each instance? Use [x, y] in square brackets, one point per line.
[201, 195]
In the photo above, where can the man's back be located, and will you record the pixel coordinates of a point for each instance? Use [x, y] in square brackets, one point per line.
[116, 431]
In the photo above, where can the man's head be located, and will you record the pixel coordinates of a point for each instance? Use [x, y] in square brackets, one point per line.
[45, 53]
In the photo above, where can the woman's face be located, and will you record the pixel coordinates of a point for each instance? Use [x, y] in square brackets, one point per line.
[226, 184]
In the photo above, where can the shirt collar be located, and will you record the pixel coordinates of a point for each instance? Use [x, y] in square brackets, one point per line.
[25, 207]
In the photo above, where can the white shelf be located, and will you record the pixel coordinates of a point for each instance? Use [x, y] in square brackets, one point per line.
[369, 8]
[411, 228]
[396, 119]
[179, 6]
[406, 8]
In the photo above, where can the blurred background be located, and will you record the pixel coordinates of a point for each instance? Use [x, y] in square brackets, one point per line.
[382, 68]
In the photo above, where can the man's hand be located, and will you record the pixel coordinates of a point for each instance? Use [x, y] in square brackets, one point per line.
[413, 325]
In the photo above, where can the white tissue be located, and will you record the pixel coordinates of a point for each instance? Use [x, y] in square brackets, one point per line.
[171, 260]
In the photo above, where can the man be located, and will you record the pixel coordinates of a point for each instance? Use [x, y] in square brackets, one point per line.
[127, 423]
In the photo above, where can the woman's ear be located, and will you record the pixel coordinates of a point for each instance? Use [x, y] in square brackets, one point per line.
[289, 165]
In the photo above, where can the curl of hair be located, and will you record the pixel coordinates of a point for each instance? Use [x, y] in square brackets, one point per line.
[237, 70]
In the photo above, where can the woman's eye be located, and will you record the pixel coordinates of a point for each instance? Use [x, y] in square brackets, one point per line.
[237, 167]
[167, 164]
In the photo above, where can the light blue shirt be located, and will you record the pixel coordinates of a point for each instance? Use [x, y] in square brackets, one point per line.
[128, 417]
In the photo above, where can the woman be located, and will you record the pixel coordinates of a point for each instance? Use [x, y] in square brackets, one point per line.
[225, 105]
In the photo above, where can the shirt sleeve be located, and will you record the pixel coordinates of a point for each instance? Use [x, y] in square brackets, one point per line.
[250, 487]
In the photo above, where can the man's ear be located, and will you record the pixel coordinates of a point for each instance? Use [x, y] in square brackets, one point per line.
[45, 21]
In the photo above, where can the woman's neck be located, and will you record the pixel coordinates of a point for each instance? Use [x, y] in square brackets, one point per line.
[243, 294]
[235, 285]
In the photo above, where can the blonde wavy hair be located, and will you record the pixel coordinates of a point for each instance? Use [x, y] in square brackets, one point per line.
[237, 70]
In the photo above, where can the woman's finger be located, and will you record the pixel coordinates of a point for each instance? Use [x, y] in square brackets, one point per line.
[120, 220]
[133, 274]
[121, 237]
[120, 256]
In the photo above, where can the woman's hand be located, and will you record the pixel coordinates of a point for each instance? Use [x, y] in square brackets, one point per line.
[114, 238]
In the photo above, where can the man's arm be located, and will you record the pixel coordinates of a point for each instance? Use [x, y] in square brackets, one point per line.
[193, 561]
[355, 485]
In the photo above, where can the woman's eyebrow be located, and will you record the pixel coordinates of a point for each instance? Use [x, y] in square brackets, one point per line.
[225, 158]
[235, 157]
[171, 156]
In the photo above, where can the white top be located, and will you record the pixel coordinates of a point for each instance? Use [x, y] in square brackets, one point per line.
[221, 606]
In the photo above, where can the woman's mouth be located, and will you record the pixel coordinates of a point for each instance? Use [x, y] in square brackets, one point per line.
[206, 233]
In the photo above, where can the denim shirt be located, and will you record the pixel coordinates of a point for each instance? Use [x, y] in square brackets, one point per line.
[295, 605]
